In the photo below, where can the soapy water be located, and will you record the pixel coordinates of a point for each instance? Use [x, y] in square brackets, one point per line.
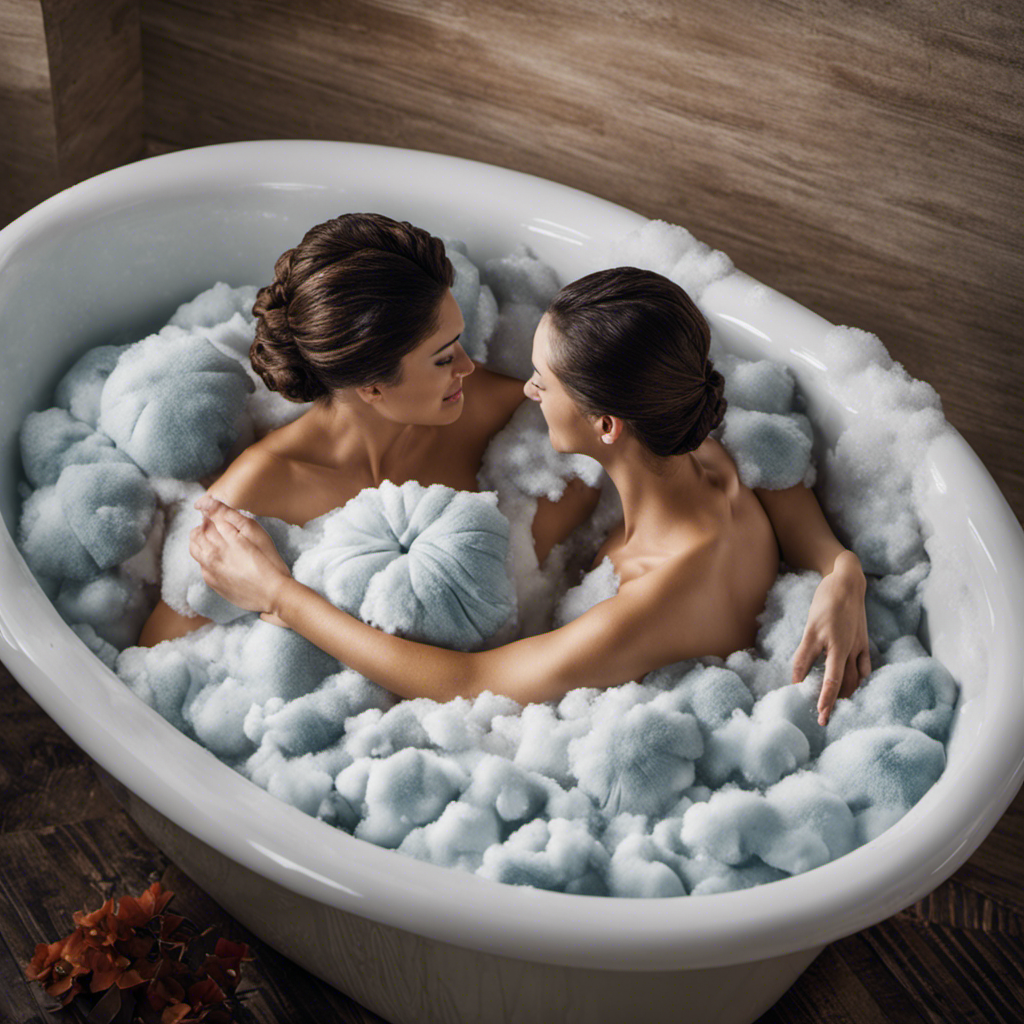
[708, 776]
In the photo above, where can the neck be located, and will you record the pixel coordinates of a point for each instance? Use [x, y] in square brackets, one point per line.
[656, 496]
[353, 429]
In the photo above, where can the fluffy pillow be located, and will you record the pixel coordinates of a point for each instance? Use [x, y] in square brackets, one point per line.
[175, 404]
[426, 562]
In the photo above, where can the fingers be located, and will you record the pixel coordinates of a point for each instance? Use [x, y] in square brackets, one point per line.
[834, 673]
[851, 678]
[864, 663]
[806, 654]
[209, 504]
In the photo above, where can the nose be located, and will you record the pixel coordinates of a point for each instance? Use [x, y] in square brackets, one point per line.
[531, 391]
[462, 366]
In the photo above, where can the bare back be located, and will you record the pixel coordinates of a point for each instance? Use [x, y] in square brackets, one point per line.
[714, 570]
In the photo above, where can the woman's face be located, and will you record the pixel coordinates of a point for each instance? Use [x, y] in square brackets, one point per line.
[429, 390]
[569, 429]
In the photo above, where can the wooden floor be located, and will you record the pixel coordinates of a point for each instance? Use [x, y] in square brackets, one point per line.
[953, 958]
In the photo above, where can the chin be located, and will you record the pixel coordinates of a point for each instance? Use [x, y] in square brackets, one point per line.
[450, 413]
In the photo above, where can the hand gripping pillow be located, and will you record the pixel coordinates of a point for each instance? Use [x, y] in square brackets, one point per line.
[425, 562]
[173, 403]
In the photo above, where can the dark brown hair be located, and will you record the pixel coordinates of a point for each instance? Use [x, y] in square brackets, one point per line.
[347, 303]
[631, 343]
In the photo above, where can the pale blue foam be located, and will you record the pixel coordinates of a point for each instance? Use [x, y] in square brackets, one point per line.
[704, 777]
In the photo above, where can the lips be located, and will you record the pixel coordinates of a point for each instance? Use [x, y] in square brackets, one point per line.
[453, 396]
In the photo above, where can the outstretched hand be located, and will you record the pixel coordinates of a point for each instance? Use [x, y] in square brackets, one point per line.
[237, 557]
[837, 625]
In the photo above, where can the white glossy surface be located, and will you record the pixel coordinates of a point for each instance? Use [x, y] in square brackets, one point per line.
[114, 255]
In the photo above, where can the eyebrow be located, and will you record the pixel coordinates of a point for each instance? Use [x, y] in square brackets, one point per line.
[448, 344]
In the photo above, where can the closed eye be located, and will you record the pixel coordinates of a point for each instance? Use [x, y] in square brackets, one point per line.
[449, 358]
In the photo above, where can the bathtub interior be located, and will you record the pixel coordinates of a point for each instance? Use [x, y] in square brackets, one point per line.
[101, 271]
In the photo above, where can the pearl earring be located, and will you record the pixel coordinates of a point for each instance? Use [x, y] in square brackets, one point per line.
[607, 438]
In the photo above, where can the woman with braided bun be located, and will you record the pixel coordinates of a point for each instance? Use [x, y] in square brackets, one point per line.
[621, 373]
[361, 322]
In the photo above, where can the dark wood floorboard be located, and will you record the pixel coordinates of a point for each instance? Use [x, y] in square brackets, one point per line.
[953, 958]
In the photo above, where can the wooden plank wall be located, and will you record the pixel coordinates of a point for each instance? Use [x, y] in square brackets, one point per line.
[70, 95]
[864, 158]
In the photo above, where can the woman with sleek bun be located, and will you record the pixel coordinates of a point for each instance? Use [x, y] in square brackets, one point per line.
[621, 373]
[360, 320]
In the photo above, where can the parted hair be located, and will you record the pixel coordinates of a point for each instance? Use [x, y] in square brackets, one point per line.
[347, 303]
[631, 343]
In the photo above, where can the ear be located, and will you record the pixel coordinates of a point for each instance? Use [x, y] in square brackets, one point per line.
[370, 393]
[608, 428]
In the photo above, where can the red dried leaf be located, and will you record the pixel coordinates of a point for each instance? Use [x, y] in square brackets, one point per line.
[205, 993]
[169, 924]
[137, 946]
[176, 1013]
[163, 991]
[42, 962]
[60, 988]
[228, 950]
[106, 968]
[132, 977]
[132, 913]
[75, 946]
[96, 917]
[73, 989]
[155, 898]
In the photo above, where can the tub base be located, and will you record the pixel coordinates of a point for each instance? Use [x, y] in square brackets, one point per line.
[409, 979]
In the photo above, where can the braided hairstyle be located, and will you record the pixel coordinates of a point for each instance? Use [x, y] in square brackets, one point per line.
[347, 303]
[631, 343]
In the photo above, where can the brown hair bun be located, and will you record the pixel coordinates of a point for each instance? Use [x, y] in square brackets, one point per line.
[631, 343]
[346, 304]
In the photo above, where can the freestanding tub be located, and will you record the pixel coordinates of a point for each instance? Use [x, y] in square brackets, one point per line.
[109, 260]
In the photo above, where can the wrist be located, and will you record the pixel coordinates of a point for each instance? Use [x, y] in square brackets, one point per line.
[280, 594]
[847, 565]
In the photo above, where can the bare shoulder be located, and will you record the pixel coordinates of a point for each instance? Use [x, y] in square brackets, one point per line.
[256, 473]
[713, 454]
[493, 396]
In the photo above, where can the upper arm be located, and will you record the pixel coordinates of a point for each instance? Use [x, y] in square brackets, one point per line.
[555, 520]
[655, 621]
[804, 535]
[164, 623]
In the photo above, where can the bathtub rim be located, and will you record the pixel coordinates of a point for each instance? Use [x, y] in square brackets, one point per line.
[603, 932]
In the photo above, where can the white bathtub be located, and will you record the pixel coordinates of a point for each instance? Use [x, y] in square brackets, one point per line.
[110, 259]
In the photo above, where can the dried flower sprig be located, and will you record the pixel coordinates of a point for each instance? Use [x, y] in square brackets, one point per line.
[148, 962]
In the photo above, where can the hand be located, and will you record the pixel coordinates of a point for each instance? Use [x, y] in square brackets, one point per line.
[837, 625]
[237, 557]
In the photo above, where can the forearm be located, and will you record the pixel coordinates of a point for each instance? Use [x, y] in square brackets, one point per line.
[805, 538]
[166, 624]
[405, 667]
[529, 670]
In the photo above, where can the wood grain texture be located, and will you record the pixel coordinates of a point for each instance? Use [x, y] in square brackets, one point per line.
[59, 855]
[96, 73]
[863, 158]
[28, 152]
[954, 956]
[70, 95]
